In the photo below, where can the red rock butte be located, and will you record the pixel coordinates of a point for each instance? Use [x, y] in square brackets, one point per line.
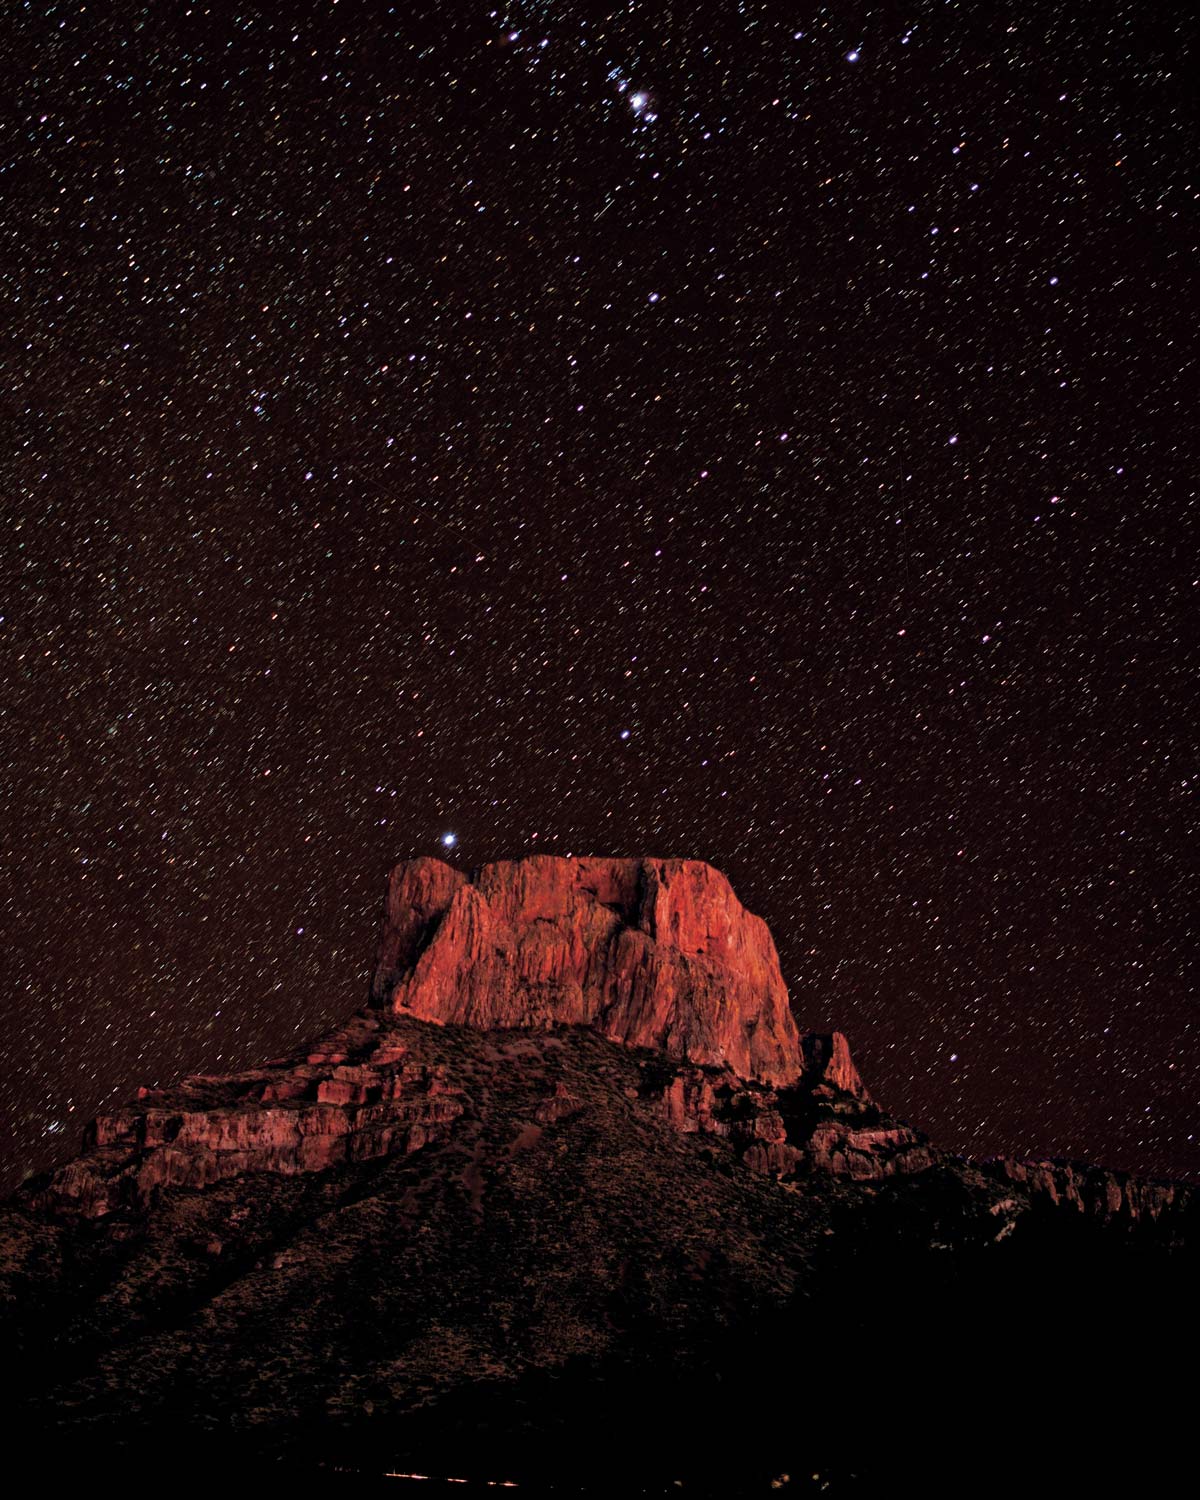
[649, 952]
[655, 954]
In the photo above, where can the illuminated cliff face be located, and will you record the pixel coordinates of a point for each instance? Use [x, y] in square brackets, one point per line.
[653, 953]
[656, 956]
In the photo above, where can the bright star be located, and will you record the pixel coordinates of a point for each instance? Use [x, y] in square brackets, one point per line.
[851, 56]
[449, 840]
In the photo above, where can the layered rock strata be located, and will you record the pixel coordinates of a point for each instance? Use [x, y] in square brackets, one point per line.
[354, 1096]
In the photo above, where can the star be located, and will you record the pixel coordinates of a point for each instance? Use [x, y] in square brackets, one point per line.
[449, 840]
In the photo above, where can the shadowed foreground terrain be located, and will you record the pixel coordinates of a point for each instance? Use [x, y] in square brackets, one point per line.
[598, 1299]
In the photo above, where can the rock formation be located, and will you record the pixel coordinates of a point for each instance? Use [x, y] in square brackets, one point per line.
[653, 953]
[354, 1096]
[572, 1186]
[1095, 1191]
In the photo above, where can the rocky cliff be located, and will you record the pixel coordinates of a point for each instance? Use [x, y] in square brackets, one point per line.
[652, 953]
[657, 955]
[573, 1172]
[355, 1095]
[1095, 1191]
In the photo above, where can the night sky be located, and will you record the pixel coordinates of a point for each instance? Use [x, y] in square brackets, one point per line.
[750, 432]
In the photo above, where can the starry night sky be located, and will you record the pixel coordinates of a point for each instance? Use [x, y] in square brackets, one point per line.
[753, 432]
